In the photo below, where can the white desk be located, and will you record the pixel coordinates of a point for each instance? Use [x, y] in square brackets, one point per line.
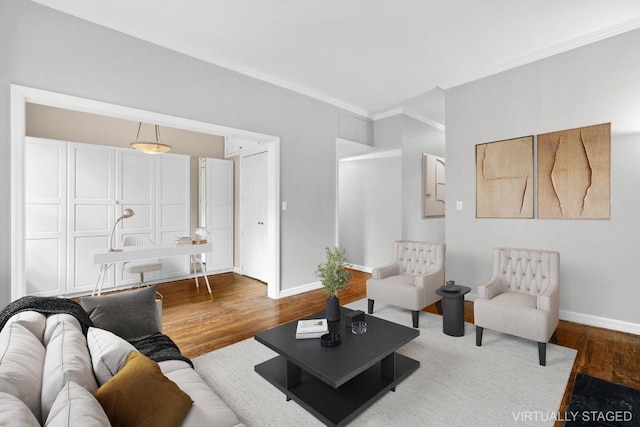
[133, 253]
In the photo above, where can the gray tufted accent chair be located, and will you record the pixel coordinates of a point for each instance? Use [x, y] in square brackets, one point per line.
[522, 296]
[411, 279]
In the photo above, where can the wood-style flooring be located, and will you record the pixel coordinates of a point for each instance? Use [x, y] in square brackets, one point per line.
[240, 308]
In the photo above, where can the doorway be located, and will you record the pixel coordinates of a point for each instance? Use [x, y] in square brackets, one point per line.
[21, 95]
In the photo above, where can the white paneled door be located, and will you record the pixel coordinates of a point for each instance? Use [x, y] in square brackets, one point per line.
[173, 201]
[218, 220]
[135, 189]
[254, 216]
[91, 193]
[45, 220]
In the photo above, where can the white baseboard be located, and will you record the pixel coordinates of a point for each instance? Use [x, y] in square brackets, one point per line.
[237, 270]
[600, 322]
[361, 268]
[315, 285]
[300, 289]
[589, 319]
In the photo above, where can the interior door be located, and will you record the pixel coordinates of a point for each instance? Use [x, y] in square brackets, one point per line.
[218, 219]
[173, 217]
[135, 189]
[45, 222]
[90, 210]
[254, 215]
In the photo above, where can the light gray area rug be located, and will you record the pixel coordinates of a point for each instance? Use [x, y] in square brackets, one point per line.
[457, 384]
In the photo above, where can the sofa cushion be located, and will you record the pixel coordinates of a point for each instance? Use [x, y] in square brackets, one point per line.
[108, 353]
[66, 359]
[127, 314]
[21, 361]
[52, 322]
[208, 408]
[31, 320]
[13, 412]
[141, 395]
[75, 406]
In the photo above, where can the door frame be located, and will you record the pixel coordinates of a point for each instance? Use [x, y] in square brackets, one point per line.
[20, 95]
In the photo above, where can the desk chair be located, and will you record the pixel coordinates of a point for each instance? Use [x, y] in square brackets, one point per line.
[142, 266]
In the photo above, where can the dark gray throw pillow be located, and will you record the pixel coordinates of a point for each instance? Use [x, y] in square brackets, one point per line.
[128, 314]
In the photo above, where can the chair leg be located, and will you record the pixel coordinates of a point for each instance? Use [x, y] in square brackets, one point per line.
[415, 315]
[479, 330]
[554, 338]
[370, 304]
[439, 306]
[542, 353]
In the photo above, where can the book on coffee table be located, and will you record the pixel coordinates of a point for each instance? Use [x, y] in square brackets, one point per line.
[311, 328]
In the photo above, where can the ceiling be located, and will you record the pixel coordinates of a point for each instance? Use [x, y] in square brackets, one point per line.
[371, 57]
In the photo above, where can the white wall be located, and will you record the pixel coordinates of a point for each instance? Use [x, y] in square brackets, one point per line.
[369, 207]
[590, 85]
[49, 50]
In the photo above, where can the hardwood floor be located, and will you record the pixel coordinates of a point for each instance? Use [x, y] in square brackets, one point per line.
[240, 308]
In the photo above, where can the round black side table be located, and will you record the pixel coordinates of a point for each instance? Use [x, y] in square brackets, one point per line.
[453, 309]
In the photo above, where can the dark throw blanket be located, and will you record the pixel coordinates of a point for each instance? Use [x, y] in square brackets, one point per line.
[46, 305]
[158, 347]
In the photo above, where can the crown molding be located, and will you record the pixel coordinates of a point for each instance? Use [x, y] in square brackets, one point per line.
[408, 113]
[425, 120]
[587, 39]
[285, 84]
[390, 113]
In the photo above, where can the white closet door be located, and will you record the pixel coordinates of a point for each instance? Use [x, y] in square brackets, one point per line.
[135, 189]
[45, 217]
[219, 214]
[90, 213]
[254, 216]
[173, 195]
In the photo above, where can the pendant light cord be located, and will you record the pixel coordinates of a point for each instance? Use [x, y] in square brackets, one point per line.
[157, 133]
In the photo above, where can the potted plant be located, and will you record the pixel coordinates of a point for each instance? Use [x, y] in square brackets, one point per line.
[334, 277]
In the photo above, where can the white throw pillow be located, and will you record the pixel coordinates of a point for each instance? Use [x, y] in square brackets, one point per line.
[75, 406]
[108, 352]
[13, 412]
[21, 360]
[66, 359]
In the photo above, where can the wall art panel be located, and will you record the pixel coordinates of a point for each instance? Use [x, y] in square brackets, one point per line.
[574, 173]
[504, 179]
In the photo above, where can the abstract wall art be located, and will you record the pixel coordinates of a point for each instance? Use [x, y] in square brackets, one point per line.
[574, 173]
[504, 179]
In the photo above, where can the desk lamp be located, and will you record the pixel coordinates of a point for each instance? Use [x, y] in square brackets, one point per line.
[127, 213]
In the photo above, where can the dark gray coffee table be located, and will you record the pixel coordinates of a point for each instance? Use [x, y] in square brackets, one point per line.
[335, 384]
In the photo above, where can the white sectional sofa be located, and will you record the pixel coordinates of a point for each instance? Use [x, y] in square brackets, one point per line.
[55, 371]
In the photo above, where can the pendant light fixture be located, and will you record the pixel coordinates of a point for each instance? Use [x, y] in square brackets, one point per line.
[150, 147]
